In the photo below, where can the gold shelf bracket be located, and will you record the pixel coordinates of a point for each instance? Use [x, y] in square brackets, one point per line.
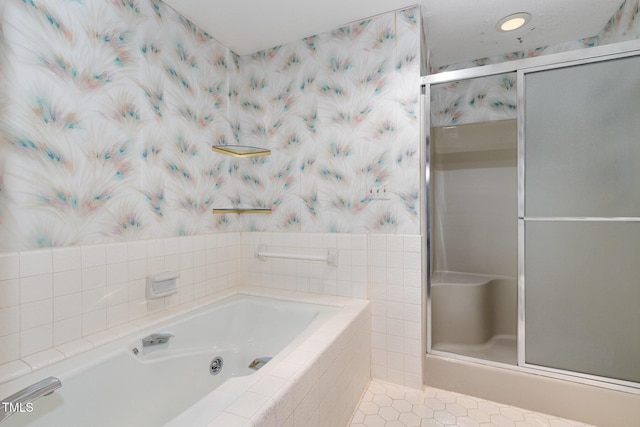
[242, 211]
[241, 150]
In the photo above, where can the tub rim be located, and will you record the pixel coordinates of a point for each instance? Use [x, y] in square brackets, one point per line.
[119, 343]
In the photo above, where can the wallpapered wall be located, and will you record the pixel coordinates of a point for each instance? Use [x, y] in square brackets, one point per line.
[495, 98]
[340, 112]
[109, 110]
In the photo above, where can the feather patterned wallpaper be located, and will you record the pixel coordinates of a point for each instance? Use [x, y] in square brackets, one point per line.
[340, 114]
[109, 108]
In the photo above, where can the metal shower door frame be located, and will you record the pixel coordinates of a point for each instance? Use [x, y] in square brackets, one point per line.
[521, 68]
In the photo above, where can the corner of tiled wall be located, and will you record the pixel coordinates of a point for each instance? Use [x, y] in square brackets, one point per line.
[396, 309]
[384, 268]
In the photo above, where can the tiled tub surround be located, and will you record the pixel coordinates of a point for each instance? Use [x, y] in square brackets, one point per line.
[318, 384]
[384, 267]
[55, 303]
[317, 381]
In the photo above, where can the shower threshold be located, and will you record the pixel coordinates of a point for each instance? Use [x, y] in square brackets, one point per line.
[500, 348]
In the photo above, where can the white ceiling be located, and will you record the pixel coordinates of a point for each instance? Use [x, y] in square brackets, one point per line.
[463, 30]
[457, 30]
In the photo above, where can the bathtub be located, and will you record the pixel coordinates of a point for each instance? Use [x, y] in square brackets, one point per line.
[124, 383]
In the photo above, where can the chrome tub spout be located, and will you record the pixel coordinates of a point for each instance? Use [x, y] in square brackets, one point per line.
[259, 362]
[155, 339]
[25, 397]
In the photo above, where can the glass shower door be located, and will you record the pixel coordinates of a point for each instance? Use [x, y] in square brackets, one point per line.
[474, 229]
[581, 219]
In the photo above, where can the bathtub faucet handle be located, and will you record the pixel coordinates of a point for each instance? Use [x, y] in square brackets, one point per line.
[154, 339]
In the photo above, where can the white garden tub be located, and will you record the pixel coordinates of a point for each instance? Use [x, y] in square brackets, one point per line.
[126, 384]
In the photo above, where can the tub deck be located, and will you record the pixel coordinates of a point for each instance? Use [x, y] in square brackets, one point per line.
[334, 335]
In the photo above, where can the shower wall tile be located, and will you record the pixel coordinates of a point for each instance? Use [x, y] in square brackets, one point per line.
[93, 290]
[67, 306]
[119, 314]
[36, 339]
[67, 282]
[9, 321]
[94, 277]
[9, 293]
[94, 322]
[386, 269]
[117, 294]
[34, 263]
[93, 256]
[396, 301]
[137, 250]
[117, 273]
[36, 314]
[65, 259]
[9, 265]
[348, 278]
[9, 349]
[36, 288]
[117, 252]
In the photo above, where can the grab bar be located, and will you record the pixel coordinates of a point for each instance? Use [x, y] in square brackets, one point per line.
[331, 258]
[20, 401]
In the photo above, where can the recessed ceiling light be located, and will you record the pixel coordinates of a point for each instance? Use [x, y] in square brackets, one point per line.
[513, 21]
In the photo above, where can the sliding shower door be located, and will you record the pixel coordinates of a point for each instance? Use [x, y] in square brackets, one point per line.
[580, 218]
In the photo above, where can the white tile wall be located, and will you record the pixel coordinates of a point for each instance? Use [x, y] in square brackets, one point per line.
[349, 278]
[34, 263]
[61, 301]
[9, 265]
[74, 297]
[396, 298]
[384, 268]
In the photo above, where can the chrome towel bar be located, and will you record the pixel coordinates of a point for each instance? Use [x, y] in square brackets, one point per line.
[330, 258]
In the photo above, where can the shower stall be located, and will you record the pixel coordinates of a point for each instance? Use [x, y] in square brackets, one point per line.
[474, 235]
[533, 225]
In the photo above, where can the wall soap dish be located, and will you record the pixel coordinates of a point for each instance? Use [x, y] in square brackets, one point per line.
[162, 284]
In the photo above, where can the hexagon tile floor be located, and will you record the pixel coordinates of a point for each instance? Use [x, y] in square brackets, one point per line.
[387, 405]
